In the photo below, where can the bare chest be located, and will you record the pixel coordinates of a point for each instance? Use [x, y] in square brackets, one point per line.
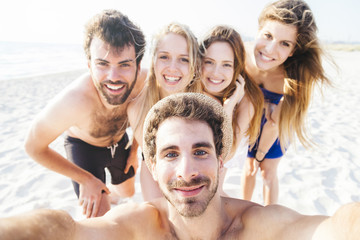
[108, 125]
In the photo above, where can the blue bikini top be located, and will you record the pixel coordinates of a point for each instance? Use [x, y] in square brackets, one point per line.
[271, 96]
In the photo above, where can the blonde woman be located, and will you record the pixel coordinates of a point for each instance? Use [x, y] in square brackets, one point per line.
[285, 62]
[174, 68]
[224, 78]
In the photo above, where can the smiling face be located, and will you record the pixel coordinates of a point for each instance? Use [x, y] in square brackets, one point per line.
[113, 71]
[186, 165]
[275, 42]
[172, 69]
[218, 67]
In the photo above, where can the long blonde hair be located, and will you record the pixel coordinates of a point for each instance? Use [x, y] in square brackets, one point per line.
[152, 94]
[227, 34]
[303, 70]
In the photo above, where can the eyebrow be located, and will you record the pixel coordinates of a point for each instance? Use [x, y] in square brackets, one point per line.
[225, 61]
[166, 52]
[202, 144]
[172, 147]
[121, 62]
[196, 145]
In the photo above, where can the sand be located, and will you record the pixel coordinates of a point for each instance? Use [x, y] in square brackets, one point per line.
[312, 181]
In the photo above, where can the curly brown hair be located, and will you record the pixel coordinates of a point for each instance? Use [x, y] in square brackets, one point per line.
[117, 30]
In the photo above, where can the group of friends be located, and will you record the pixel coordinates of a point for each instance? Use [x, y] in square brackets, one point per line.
[199, 107]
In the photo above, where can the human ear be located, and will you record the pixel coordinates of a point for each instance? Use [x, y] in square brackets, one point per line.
[221, 163]
[153, 170]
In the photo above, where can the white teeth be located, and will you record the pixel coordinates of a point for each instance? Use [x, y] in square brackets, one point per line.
[114, 87]
[266, 58]
[172, 79]
[215, 81]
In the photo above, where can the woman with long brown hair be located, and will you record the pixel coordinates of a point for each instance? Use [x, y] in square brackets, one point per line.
[285, 61]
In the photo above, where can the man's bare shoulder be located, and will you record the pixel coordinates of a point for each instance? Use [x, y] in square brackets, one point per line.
[81, 91]
[76, 99]
[133, 211]
[66, 109]
[140, 219]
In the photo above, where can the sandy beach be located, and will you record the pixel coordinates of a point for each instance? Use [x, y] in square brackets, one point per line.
[312, 181]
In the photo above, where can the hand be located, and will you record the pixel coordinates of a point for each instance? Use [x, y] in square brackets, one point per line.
[260, 155]
[255, 166]
[90, 196]
[239, 92]
[235, 98]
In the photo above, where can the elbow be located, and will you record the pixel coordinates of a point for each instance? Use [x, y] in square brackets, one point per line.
[28, 146]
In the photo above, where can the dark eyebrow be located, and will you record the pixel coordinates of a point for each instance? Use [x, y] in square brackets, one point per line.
[121, 62]
[172, 147]
[203, 144]
[126, 61]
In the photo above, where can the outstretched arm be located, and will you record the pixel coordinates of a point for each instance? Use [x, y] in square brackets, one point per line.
[45, 224]
[278, 222]
[38, 225]
[344, 224]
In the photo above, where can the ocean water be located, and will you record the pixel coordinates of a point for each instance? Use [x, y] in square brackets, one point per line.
[19, 60]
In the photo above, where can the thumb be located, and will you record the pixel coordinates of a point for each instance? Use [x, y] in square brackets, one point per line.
[106, 190]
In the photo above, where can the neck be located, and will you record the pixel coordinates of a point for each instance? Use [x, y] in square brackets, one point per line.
[164, 93]
[207, 226]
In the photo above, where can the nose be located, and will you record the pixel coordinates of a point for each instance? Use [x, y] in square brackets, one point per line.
[217, 69]
[186, 169]
[173, 64]
[113, 74]
[270, 47]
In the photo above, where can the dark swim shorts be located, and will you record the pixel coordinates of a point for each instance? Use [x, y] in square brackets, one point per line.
[95, 159]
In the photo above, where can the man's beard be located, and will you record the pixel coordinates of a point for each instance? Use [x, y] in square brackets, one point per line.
[191, 206]
[117, 99]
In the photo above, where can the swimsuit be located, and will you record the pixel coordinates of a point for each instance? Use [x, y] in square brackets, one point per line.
[275, 150]
[94, 159]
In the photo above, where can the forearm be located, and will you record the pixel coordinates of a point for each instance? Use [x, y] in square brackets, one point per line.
[54, 161]
[134, 148]
[269, 135]
[38, 224]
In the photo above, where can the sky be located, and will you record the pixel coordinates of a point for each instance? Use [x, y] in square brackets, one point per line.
[63, 21]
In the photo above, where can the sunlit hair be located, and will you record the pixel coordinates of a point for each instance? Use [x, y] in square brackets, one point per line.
[303, 69]
[152, 87]
[253, 92]
[117, 30]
